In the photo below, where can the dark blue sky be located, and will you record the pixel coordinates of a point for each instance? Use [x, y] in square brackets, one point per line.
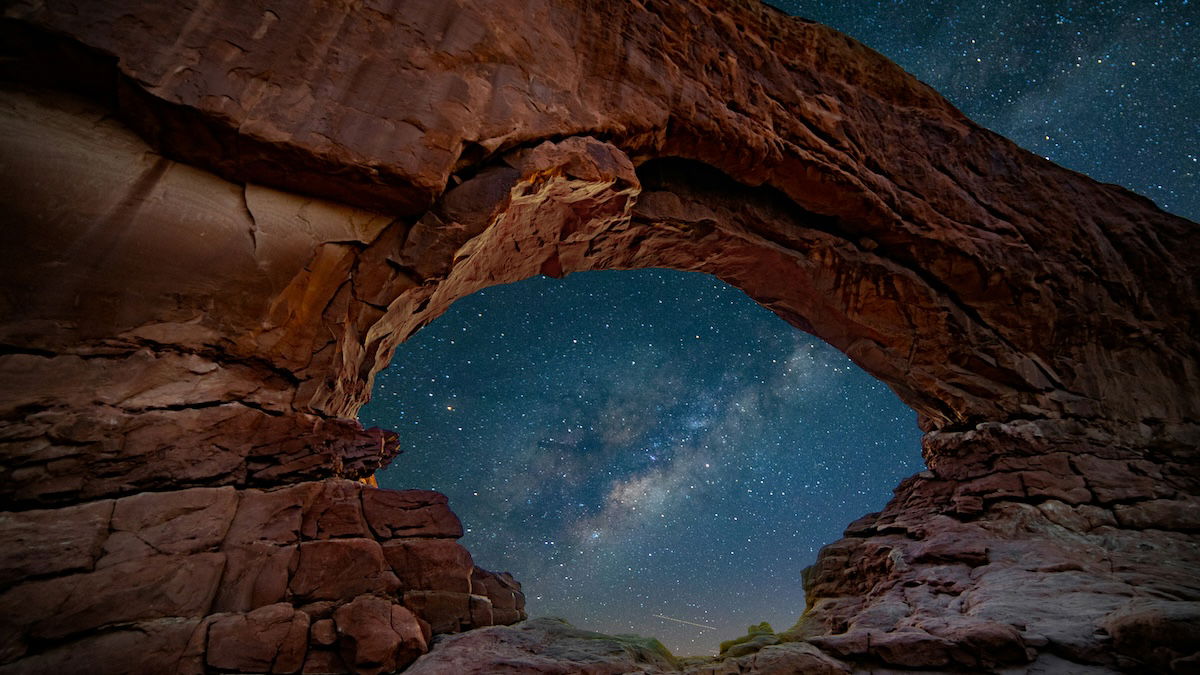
[632, 444]
[640, 443]
[1110, 88]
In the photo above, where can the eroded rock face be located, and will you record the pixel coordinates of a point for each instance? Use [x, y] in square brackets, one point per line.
[1003, 555]
[229, 215]
[237, 580]
[544, 646]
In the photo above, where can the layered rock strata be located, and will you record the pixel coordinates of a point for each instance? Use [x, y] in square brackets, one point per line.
[324, 576]
[228, 215]
[1024, 542]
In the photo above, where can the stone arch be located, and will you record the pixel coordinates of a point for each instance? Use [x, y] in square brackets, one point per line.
[1041, 324]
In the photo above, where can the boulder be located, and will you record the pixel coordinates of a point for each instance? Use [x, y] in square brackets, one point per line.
[504, 592]
[1156, 635]
[376, 636]
[544, 646]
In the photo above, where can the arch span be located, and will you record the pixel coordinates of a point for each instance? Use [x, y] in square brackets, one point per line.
[209, 310]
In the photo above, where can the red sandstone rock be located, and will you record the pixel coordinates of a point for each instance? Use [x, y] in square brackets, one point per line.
[445, 611]
[981, 644]
[157, 646]
[504, 592]
[1182, 515]
[239, 569]
[951, 547]
[324, 662]
[880, 302]
[1079, 519]
[1067, 567]
[541, 646]
[409, 513]
[341, 568]
[482, 613]
[1156, 633]
[1112, 480]
[432, 564]
[143, 589]
[186, 521]
[270, 639]
[273, 516]
[256, 575]
[219, 332]
[324, 633]
[378, 636]
[785, 659]
[336, 512]
[52, 541]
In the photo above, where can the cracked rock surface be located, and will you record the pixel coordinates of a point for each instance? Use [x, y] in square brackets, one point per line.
[225, 216]
[325, 576]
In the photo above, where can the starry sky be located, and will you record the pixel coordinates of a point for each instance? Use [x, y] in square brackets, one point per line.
[649, 444]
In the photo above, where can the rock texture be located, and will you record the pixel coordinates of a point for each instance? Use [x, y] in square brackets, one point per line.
[544, 646]
[1022, 544]
[228, 214]
[222, 579]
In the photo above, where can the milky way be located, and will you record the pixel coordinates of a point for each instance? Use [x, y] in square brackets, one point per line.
[640, 445]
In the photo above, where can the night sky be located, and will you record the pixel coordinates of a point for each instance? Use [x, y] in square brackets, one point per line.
[633, 444]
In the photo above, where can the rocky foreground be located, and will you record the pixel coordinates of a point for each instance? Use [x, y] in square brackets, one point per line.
[220, 218]
[324, 577]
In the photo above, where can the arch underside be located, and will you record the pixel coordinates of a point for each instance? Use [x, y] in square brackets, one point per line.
[225, 242]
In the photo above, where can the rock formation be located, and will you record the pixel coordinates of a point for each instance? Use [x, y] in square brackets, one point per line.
[325, 576]
[222, 218]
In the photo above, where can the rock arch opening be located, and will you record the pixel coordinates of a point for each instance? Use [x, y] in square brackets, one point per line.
[634, 445]
[251, 228]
